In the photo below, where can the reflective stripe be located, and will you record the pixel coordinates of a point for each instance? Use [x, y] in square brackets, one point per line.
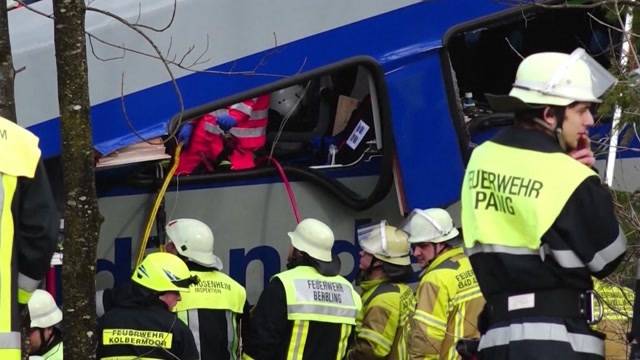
[543, 88]
[568, 259]
[213, 129]
[220, 112]
[348, 314]
[194, 326]
[231, 334]
[375, 337]
[491, 248]
[541, 332]
[26, 287]
[259, 114]
[298, 339]
[27, 283]
[466, 296]
[10, 340]
[565, 258]
[608, 254]
[459, 316]
[248, 132]
[100, 303]
[430, 320]
[242, 107]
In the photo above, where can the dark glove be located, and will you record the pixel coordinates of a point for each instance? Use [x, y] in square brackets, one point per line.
[184, 135]
[226, 122]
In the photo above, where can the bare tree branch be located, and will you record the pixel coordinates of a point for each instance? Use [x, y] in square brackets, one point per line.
[136, 26]
[170, 45]
[143, 26]
[198, 60]
[158, 54]
[93, 50]
[126, 114]
[513, 48]
[50, 16]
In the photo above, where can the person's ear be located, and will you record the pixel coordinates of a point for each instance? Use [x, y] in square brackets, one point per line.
[549, 117]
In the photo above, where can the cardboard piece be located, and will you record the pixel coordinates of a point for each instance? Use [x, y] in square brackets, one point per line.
[346, 105]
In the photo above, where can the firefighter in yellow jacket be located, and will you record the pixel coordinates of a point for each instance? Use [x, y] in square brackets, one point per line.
[615, 317]
[28, 229]
[449, 299]
[387, 302]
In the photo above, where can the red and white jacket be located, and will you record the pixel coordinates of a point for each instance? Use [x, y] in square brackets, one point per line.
[251, 121]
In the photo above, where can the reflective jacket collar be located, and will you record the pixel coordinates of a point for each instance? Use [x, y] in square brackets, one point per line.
[529, 139]
[371, 284]
[442, 257]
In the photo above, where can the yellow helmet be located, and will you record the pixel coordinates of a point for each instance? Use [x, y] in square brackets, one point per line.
[386, 243]
[163, 272]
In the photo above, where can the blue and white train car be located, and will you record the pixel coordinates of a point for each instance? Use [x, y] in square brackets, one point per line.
[400, 67]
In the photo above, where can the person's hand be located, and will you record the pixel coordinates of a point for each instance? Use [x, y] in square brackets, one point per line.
[185, 133]
[583, 152]
[226, 122]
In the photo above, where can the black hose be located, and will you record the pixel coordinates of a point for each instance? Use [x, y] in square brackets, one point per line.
[334, 187]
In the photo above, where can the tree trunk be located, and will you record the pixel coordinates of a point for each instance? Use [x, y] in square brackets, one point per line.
[7, 102]
[82, 219]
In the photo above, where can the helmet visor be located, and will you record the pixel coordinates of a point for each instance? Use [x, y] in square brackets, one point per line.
[601, 79]
[579, 78]
[374, 240]
[372, 237]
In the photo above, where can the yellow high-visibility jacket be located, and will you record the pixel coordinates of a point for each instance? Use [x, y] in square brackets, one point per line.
[382, 325]
[617, 303]
[28, 229]
[449, 302]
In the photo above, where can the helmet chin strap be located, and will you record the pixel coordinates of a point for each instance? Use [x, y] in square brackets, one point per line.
[364, 275]
[556, 132]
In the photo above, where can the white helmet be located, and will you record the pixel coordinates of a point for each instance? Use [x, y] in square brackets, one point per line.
[430, 225]
[385, 242]
[43, 310]
[193, 239]
[314, 238]
[286, 101]
[552, 78]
